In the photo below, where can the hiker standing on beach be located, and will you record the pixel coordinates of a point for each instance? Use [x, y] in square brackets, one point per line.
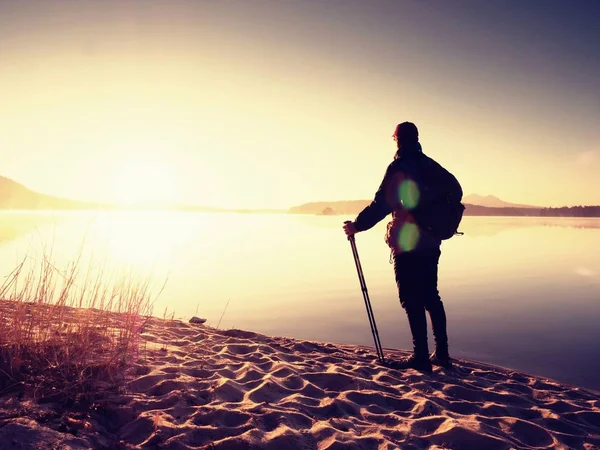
[412, 188]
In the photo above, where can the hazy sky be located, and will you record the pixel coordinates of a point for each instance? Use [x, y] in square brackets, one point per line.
[256, 103]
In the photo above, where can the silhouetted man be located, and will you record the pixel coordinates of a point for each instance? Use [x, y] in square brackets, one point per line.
[416, 252]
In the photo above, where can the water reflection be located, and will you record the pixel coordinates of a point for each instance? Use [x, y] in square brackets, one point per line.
[15, 224]
[519, 292]
[490, 226]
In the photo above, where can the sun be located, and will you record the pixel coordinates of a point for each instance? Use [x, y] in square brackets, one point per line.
[144, 183]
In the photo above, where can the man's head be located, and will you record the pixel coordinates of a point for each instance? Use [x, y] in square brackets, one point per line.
[406, 133]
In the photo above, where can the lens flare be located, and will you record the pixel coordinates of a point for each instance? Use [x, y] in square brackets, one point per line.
[409, 194]
[407, 237]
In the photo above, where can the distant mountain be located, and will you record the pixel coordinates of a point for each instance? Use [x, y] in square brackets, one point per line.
[492, 201]
[330, 208]
[14, 195]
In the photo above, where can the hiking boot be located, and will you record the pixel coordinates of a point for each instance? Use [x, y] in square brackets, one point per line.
[442, 359]
[413, 362]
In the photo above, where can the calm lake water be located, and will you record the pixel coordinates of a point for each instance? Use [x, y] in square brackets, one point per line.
[522, 293]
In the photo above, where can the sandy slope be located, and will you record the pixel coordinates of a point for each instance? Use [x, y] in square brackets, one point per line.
[234, 389]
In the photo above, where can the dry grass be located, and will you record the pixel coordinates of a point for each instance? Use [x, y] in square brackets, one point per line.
[66, 335]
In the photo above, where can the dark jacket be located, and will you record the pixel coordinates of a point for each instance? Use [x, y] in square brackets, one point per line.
[402, 193]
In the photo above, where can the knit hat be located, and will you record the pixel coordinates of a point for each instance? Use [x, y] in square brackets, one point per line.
[406, 133]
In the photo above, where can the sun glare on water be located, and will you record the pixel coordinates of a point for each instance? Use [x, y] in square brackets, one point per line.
[137, 183]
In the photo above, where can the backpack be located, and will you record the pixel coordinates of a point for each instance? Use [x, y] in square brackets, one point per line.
[441, 212]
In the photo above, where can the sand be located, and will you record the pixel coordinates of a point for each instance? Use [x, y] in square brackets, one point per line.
[195, 387]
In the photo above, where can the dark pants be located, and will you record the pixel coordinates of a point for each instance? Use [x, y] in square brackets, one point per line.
[416, 277]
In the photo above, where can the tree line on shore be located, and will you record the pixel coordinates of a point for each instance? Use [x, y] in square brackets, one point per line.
[472, 210]
[571, 211]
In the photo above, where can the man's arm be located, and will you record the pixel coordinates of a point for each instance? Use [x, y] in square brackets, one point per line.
[378, 208]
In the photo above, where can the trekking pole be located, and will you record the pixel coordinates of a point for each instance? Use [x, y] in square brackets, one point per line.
[363, 287]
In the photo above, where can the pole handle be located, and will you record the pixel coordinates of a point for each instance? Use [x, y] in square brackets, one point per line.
[351, 237]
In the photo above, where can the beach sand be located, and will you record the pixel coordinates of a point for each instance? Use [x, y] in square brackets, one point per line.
[195, 387]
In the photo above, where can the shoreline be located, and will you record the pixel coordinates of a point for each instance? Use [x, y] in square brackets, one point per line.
[194, 386]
